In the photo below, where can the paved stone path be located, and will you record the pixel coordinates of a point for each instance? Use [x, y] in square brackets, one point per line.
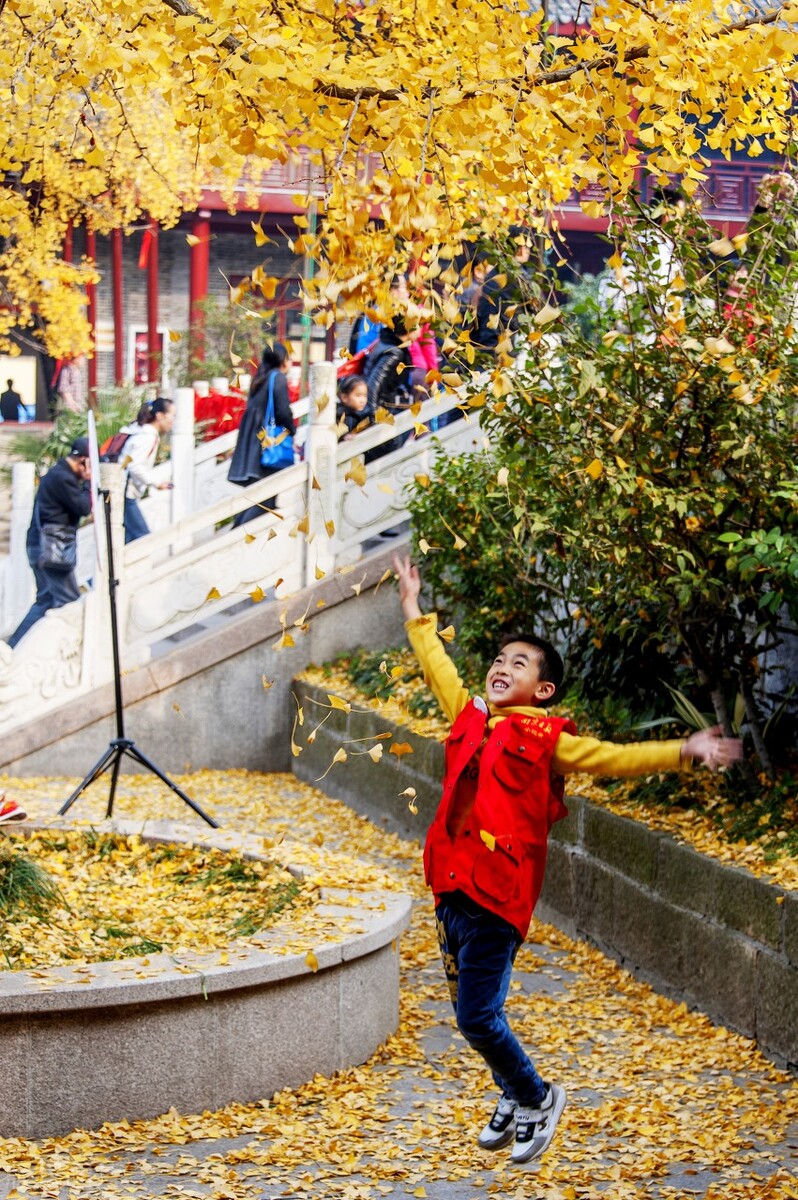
[662, 1103]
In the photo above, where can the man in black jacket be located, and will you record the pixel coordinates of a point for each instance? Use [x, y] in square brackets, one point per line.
[64, 498]
[9, 403]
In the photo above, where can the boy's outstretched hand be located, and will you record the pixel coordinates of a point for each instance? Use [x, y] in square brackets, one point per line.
[710, 747]
[409, 586]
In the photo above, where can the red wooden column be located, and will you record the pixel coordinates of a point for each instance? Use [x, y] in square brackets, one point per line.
[118, 307]
[198, 281]
[91, 311]
[153, 349]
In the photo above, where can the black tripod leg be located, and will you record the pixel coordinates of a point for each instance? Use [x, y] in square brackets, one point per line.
[114, 776]
[95, 773]
[134, 752]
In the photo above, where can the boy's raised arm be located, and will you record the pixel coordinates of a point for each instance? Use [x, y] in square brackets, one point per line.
[409, 586]
[440, 672]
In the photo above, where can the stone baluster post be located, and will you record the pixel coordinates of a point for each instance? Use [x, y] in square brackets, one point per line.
[97, 638]
[19, 578]
[182, 442]
[320, 454]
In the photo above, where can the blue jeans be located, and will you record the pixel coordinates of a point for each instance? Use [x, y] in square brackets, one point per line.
[135, 525]
[54, 589]
[478, 950]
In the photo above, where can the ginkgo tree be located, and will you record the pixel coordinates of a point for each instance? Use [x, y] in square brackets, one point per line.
[423, 122]
[640, 496]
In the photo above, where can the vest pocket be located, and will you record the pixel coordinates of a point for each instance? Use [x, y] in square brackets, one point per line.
[496, 872]
[516, 764]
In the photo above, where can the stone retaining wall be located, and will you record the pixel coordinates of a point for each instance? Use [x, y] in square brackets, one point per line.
[712, 935]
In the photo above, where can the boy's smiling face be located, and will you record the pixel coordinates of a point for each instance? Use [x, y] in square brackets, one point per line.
[513, 681]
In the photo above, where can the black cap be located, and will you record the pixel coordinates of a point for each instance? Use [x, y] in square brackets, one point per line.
[80, 448]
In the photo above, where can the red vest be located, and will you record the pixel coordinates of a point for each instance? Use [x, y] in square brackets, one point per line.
[500, 799]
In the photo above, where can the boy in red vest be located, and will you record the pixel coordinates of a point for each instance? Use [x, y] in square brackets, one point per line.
[485, 853]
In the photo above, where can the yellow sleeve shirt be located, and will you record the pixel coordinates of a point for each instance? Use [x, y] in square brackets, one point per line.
[572, 753]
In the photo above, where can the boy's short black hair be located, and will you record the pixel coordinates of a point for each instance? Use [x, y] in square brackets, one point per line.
[551, 667]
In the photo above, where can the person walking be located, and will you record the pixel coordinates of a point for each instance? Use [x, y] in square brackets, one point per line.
[62, 501]
[245, 466]
[138, 456]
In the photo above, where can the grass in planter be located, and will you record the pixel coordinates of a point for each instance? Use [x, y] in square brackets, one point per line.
[111, 897]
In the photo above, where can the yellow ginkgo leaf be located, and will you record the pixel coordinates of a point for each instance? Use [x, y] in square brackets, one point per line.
[267, 683]
[213, 594]
[356, 472]
[488, 839]
[422, 480]
[375, 753]
[248, 538]
[192, 239]
[547, 314]
[330, 527]
[337, 702]
[385, 575]
[312, 961]
[257, 595]
[503, 476]
[401, 748]
[174, 336]
[594, 469]
[447, 634]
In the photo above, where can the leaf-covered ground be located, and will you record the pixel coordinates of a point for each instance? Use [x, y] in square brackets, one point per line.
[662, 1103]
[119, 897]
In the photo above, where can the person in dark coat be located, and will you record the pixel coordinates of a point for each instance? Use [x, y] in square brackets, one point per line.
[245, 465]
[9, 403]
[63, 498]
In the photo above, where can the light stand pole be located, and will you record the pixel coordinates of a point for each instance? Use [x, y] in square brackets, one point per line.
[121, 745]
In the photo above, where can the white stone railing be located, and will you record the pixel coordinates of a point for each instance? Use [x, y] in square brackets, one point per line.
[196, 567]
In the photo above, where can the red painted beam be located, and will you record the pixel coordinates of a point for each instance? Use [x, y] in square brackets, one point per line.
[118, 307]
[153, 369]
[199, 261]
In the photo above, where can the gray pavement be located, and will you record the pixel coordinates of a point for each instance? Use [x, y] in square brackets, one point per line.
[662, 1104]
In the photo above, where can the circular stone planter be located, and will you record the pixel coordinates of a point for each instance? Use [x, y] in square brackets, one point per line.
[128, 1039]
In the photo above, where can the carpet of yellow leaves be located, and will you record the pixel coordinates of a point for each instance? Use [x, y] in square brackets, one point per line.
[123, 897]
[662, 1103]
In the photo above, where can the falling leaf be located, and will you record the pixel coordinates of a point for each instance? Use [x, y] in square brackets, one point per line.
[340, 756]
[356, 472]
[284, 643]
[213, 594]
[447, 634]
[257, 595]
[357, 586]
[503, 476]
[303, 525]
[422, 480]
[386, 487]
[385, 575]
[312, 961]
[337, 702]
[424, 546]
[375, 753]
[318, 572]
[488, 839]
[314, 483]
[267, 683]
[594, 469]
[192, 239]
[249, 537]
[330, 527]
[174, 336]
[401, 748]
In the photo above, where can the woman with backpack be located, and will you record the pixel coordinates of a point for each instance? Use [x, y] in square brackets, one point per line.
[246, 466]
[137, 454]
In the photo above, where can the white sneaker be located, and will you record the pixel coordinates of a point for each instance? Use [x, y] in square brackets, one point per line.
[534, 1127]
[500, 1129]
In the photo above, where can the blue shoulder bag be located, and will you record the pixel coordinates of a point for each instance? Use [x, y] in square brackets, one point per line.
[277, 442]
